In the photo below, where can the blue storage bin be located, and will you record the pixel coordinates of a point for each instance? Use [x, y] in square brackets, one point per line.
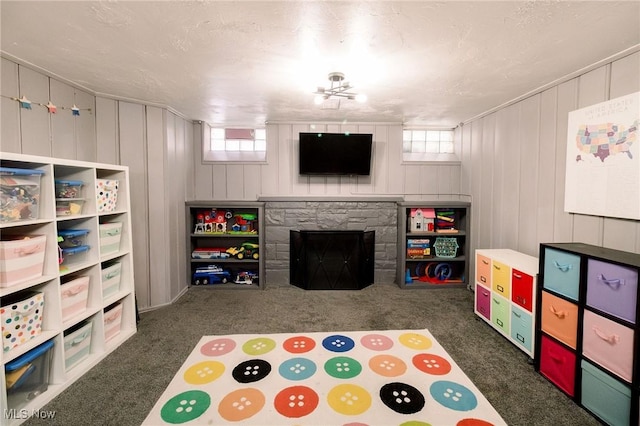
[605, 396]
[19, 194]
[74, 255]
[562, 272]
[73, 237]
[28, 375]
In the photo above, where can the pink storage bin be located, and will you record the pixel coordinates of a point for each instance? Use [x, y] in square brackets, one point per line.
[74, 296]
[112, 321]
[21, 258]
[609, 344]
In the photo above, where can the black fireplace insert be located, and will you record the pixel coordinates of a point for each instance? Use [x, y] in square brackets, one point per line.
[332, 260]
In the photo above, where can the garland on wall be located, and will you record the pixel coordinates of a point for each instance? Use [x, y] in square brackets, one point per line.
[51, 108]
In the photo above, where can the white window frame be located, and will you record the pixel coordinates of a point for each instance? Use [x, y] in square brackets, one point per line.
[217, 148]
[424, 136]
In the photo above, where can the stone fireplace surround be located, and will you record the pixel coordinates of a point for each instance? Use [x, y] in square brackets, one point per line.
[283, 214]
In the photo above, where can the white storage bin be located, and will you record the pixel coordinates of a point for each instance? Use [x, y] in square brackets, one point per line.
[110, 234]
[77, 344]
[106, 195]
[21, 316]
[21, 258]
[74, 296]
[112, 321]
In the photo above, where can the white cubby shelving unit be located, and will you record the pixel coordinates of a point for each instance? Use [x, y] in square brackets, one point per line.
[54, 326]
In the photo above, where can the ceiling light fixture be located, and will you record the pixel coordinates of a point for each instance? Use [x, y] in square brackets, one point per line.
[338, 89]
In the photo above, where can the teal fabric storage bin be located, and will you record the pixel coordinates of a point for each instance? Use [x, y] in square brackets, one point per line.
[605, 396]
[77, 344]
[562, 272]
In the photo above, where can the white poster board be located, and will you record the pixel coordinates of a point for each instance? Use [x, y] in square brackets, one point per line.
[603, 159]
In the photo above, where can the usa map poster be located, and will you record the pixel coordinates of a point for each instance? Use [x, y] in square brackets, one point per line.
[603, 159]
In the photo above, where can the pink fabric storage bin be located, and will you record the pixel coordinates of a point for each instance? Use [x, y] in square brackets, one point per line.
[74, 296]
[609, 344]
[112, 321]
[21, 258]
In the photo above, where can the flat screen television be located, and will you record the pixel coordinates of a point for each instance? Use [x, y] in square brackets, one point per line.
[339, 154]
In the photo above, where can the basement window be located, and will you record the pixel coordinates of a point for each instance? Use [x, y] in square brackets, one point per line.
[420, 145]
[236, 145]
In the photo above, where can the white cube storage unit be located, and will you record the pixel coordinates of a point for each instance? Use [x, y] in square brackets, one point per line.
[56, 291]
[505, 293]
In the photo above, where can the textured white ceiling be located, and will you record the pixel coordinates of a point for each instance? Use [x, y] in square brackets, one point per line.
[244, 63]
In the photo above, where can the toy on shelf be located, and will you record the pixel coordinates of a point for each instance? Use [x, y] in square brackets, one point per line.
[437, 273]
[446, 222]
[421, 220]
[244, 223]
[246, 250]
[225, 222]
[418, 248]
[210, 253]
[246, 277]
[446, 247]
[211, 274]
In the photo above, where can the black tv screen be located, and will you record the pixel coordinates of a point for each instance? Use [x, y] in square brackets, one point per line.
[335, 154]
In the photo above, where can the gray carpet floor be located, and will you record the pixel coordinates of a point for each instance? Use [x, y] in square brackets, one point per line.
[122, 389]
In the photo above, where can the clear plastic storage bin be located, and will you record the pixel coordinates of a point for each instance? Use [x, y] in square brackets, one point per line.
[19, 194]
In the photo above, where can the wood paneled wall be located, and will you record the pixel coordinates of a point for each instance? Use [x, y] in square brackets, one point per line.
[150, 140]
[280, 176]
[514, 167]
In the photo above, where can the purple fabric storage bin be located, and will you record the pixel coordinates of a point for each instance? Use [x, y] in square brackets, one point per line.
[612, 289]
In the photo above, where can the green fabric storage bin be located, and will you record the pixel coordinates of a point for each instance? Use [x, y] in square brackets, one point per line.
[110, 234]
[605, 396]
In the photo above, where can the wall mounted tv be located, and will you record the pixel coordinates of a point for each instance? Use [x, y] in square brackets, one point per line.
[338, 154]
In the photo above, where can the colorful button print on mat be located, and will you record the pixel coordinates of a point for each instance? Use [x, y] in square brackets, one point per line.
[251, 371]
[338, 343]
[259, 346]
[297, 369]
[387, 365]
[203, 372]
[218, 347]
[349, 399]
[185, 407]
[453, 395]
[402, 398]
[342, 367]
[352, 378]
[299, 344]
[431, 364]
[376, 342]
[296, 401]
[241, 404]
